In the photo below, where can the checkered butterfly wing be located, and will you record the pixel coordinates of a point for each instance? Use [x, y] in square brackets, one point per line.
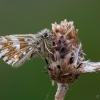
[16, 49]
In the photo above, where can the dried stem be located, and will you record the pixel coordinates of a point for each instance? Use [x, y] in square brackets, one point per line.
[89, 67]
[61, 91]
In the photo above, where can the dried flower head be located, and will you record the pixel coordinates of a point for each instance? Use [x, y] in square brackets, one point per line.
[66, 62]
[67, 53]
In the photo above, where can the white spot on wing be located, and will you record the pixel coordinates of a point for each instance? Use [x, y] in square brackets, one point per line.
[30, 48]
[3, 52]
[24, 53]
[25, 39]
[29, 43]
[15, 56]
[17, 46]
[9, 62]
[5, 58]
[15, 43]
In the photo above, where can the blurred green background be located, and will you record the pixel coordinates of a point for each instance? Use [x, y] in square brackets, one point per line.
[29, 82]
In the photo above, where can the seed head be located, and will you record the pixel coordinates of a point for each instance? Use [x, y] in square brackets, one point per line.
[67, 54]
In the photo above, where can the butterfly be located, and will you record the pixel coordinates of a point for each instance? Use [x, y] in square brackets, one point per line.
[16, 49]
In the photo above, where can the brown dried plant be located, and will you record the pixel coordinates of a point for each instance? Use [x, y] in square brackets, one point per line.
[66, 62]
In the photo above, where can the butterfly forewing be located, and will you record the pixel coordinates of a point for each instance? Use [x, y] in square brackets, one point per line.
[16, 49]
